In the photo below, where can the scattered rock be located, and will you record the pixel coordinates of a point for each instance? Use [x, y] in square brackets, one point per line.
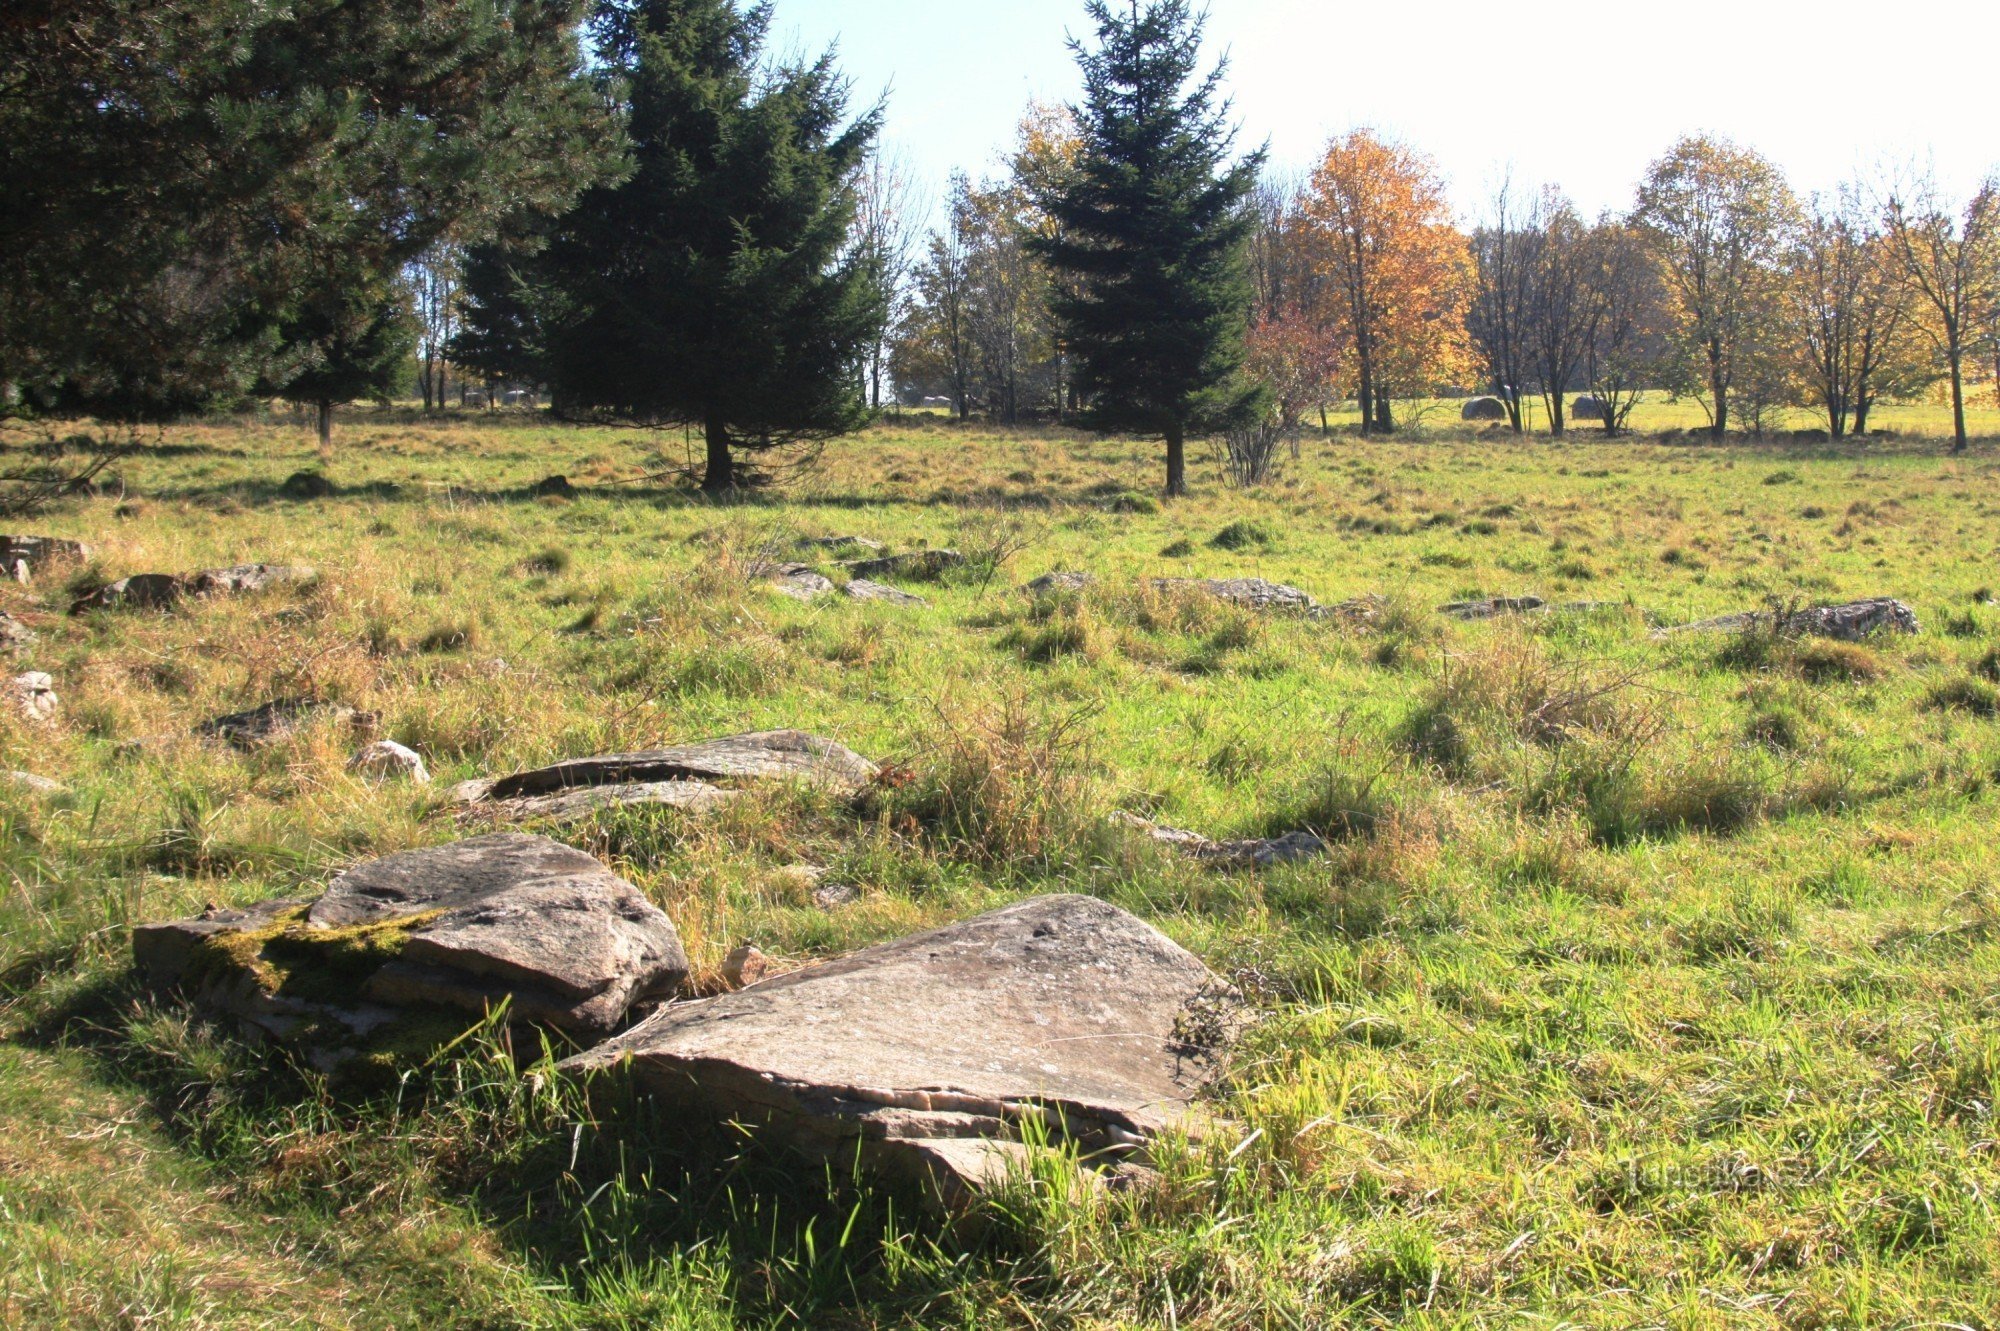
[34, 695]
[1061, 581]
[306, 485]
[744, 967]
[1493, 607]
[24, 556]
[1255, 593]
[692, 776]
[553, 487]
[1483, 409]
[1849, 623]
[1361, 611]
[1251, 853]
[802, 583]
[861, 589]
[34, 785]
[13, 633]
[141, 591]
[280, 719]
[832, 896]
[508, 919]
[918, 565]
[246, 578]
[841, 543]
[926, 1057]
[386, 760]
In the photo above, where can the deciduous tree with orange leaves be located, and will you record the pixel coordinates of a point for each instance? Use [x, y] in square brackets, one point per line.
[1396, 265]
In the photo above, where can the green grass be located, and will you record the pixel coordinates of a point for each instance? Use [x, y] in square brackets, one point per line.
[1648, 982]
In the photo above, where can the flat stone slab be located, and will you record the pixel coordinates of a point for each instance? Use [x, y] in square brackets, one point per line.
[33, 694]
[841, 543]
[916, 564]
[1493, 607]
[568, 806]
[1245, 853]
[1850, 622]
[1253, 593]
[861, 589]
[771, 755]
[802, 583]
[929, 1054]
[523, 920]
[1062, 580]
[141, 591]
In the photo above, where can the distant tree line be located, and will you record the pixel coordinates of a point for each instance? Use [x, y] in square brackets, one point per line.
[635, 205]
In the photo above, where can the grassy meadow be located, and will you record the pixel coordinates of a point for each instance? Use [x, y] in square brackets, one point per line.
[1651, 981]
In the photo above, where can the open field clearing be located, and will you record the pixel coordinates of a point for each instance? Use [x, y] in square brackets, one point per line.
[1644, 980]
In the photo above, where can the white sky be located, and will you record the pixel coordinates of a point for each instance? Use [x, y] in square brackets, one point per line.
[1825, 89]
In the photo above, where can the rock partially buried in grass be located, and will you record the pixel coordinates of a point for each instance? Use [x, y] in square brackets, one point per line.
[13, 633]
[1493, 607]
[697, 777]
[1063, 580]
[247, 578]
[933, 1057]
[1850, 622]
[141, 591]
[1253, 593]
[29, 783]
[524, 921]
[386, 760]
[33, 694]
[916, 564]
[36, 553]
[801, 583]
[841, 543]
[1247, 853]
[861, 589]
[279, 720]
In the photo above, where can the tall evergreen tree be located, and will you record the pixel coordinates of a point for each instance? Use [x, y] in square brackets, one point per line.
[1153, 231]
[189, 186]
[715, 287]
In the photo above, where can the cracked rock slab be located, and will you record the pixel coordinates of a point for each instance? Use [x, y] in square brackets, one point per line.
[1850, 622]
[861, 589]
[1246, 853]
[1493, 607]
[1251, 593]
[928, 1055]
[247, 578]
[141, 591]
[1062, 580]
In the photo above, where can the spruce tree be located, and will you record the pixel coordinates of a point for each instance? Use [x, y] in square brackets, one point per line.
[189, 186]
[715, 287]
[1153, 231]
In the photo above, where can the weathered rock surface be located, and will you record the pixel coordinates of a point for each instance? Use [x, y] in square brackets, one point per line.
[840, 543]
[386, 760]
[516, 919]
[861, 589]
[141, 591]
[33, 695]
[928, 1055]
[1254, 593]
[246, 578]
[698, 777]
[914, 564]
[1062, 580]
[34, 785]
[801, 582]
[37, 553]
[1493, 607]
[1850, 622]
[13, 633]
[1248, 853]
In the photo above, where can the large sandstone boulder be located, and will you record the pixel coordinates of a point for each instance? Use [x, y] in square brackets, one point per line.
[1850, 622]
[929, 1056]
[1253, 593]
[519, 920]
[698, 777]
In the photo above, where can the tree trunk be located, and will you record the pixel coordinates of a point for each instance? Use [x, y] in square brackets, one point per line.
[1176, 460]
[1324, 428]
[325, 412]
[1956, 355]
[1556, 414]
[1861, 405]
[720, 476]
[1385, 419]
[1721, 394]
